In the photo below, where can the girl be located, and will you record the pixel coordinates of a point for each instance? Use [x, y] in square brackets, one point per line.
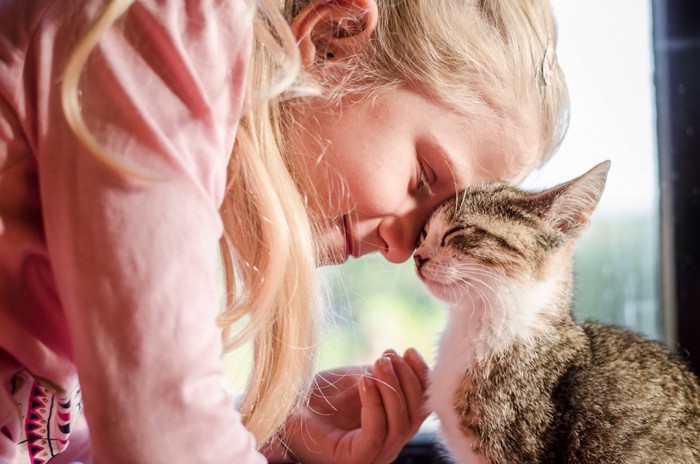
[342, 124]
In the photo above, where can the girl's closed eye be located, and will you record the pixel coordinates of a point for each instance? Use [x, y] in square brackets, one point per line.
[426, 177]
[422, 236]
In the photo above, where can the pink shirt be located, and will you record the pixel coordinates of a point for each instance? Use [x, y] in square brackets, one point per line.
[108, 281]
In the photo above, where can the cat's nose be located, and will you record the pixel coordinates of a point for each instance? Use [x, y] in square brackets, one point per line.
[419, 260]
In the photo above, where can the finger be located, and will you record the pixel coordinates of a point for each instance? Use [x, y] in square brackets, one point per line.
[419, 366]
[390, 388]
[413, 390]
[395, 408]
[338, 387]
[373, 420]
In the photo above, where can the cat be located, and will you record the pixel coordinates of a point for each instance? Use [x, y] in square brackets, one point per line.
[517, 379]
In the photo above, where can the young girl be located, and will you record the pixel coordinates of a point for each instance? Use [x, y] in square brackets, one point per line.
[118, 121]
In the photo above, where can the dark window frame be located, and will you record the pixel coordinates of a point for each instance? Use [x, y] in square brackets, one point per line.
[676, 39]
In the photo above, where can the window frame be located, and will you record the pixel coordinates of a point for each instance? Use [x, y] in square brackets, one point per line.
[676, 39]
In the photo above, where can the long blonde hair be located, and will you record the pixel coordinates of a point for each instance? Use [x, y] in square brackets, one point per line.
[482, 58]
[269, 240]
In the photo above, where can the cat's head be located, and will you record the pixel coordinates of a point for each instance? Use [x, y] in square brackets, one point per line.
[494, 233]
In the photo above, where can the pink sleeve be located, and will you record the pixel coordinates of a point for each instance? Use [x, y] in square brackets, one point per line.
[135, 258]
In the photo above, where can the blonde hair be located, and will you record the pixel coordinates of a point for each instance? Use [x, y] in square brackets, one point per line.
[270, 241]
[481, 58]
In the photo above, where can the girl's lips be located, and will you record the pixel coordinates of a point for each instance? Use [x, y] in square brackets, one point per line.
[350, 246]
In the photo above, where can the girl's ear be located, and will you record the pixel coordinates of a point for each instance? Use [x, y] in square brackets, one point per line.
[328, 30]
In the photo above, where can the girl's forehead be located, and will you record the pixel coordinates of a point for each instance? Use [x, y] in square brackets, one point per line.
[461, 149]
[478, 152]
[479, 144]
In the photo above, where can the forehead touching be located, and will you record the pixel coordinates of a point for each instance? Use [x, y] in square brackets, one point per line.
[487, 147]
[510, 143]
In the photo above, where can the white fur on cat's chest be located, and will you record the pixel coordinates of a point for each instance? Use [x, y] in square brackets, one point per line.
[456, 352]
[476, 331]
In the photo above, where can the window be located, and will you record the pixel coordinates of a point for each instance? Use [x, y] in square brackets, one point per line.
[606, 53]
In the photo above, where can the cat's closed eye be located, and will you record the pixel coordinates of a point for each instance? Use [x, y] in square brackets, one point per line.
[452, 232]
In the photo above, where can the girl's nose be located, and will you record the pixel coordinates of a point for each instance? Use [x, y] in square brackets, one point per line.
[400, 232]
[399, 235]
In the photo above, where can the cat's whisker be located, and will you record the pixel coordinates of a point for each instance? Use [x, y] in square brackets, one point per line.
[482, 283]
[488, 303]
[471, 290]
[468, 268]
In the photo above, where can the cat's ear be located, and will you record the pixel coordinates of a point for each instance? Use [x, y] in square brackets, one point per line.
[328, 30]
[568, 206]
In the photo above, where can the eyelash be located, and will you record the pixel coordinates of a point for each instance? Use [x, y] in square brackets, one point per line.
[423, 181]
[423, 234]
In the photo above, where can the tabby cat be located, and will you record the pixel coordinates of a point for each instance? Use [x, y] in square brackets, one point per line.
[517, 379]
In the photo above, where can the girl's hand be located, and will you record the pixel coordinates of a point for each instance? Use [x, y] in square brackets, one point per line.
[363, 414]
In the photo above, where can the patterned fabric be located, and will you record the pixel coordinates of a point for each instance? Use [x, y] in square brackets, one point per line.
[47, 415]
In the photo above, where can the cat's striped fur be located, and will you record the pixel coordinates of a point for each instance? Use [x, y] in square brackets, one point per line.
[517, 380]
